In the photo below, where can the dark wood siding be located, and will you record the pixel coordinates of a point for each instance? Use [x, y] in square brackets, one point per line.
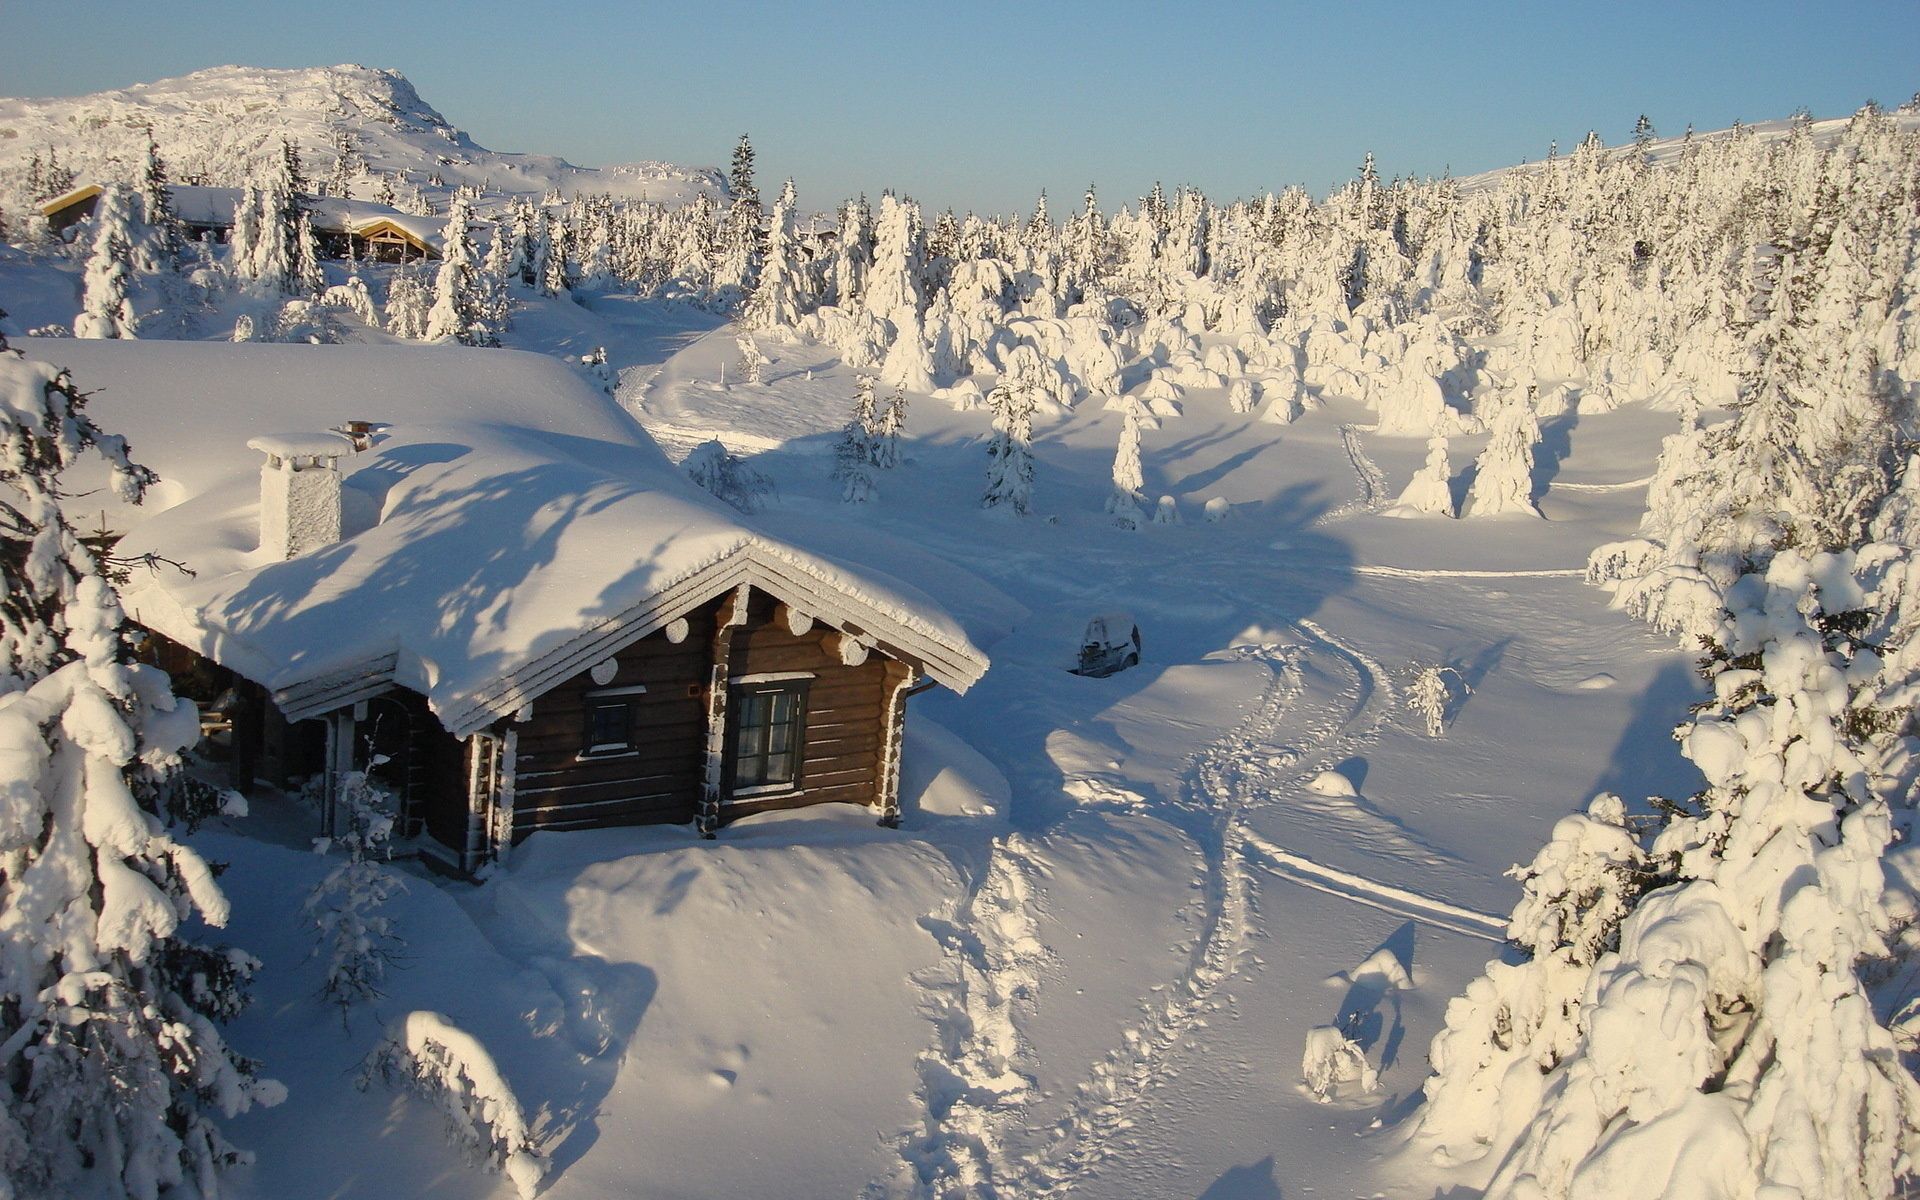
[556, 787]
[658, 780]
[846, 710]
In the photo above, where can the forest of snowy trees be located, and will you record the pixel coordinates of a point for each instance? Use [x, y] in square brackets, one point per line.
[1711, 985]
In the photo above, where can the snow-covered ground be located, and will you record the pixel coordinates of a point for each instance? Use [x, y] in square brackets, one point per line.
[1091, 959]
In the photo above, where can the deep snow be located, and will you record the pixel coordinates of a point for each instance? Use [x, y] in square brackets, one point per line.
[1093, 956]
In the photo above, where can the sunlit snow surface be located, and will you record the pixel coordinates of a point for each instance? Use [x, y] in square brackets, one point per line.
[1092, 956]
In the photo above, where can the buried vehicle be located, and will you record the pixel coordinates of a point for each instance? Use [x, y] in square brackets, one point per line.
[1111, 643]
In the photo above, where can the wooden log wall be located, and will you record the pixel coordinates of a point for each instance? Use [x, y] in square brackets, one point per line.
[659, 780]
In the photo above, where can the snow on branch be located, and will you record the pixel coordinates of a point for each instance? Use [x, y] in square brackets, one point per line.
[428, 1055]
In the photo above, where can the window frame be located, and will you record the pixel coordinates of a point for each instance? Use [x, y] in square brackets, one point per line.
[795, 684]
[601, 700]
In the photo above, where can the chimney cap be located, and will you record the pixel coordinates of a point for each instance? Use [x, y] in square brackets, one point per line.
[302, 445]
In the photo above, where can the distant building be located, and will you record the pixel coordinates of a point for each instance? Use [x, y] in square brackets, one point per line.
[362, 229]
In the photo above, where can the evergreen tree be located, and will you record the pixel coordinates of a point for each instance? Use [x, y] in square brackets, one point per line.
[1010, 453]
[778, 300]
[1503, 476]
[408, 302]
[853, 455]
[457, 294]
[106, 311]
[311, 279]
[887, 430]
[244, 241]
[115, 1071]
[164, 246]
[1127, 503]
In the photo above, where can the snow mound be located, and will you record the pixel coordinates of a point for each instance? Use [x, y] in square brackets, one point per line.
[1332, 783]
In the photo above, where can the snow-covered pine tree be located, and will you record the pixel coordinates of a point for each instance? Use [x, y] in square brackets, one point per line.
[164, 245]
[275, 237]
[115, 1070]
[106, 308]
[310, 278]
[853, 455]
[244, 242]
[457, 296]
[886, 429]
[778, 298]
[1128, 499]
[1503, 474]
[407, 304]
[1712, 1017]
[1010, 453]
[357, 939]
[1431, 488]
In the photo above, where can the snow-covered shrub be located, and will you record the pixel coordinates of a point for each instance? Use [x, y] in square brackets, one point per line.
[428, 1055]
[727, 476]
[1332, 1059]
[1166, 511]
[1430, 695]
[1431, 488]
[359, 942]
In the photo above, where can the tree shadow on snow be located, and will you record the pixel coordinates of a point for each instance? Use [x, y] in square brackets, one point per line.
[1375, 983]
[1646, 760]
[1252, 1182]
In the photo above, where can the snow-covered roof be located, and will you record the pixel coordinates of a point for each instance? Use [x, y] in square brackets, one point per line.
[331, 214]
[510, 526]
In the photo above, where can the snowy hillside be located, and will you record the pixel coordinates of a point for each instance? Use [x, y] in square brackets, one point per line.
[212, 126]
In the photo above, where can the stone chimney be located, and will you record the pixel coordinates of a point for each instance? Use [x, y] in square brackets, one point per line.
[300, 491]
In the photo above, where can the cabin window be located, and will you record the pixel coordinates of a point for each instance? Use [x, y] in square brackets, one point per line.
[769, 725]
[609, 727]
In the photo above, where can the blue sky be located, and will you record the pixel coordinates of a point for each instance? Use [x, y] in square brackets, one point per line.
[979, 105]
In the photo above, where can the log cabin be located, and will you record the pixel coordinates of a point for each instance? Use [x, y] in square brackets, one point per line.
[344, 228]
[500, 600]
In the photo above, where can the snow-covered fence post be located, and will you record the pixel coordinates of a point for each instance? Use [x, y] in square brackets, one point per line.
[733, 613]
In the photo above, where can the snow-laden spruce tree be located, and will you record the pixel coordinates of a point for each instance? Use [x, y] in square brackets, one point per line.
[407, 304]
[164, 246]
[114, 1072]
[1128, 500]
[357, 940]
[1503, 474]
[1010, 453]
[1698, 1013]
[457, 292]
[779, 297]
[893, 278]
[106, 308]
[853, 455]
[887, 429]
[1431, 488]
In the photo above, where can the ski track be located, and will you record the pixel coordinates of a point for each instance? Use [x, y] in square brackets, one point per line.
[1374, 494]
[1460, 573]
[1227, 781]
[1427, 910]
